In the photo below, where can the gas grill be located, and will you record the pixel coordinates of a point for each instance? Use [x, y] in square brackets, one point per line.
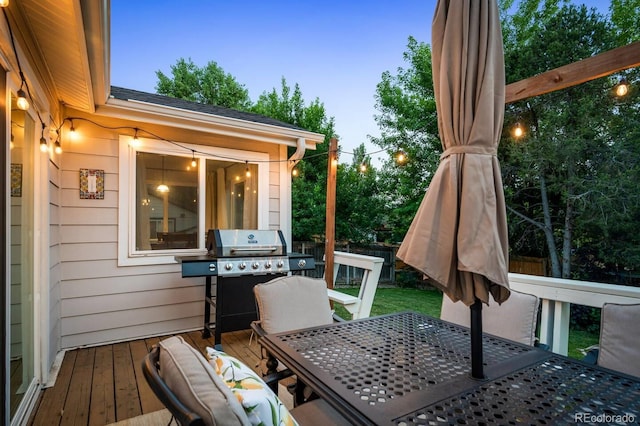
[240, 259]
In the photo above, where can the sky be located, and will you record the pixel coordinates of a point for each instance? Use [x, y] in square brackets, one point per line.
[336, 51]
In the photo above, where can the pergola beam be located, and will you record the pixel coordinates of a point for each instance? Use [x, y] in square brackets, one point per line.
[575, 73]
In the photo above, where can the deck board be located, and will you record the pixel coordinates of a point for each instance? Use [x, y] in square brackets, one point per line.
[51, 403]
[104, 384]
[76, 406]
[102, 410]
[126, 387]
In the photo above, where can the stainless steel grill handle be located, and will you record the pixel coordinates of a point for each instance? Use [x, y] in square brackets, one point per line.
[254, 249]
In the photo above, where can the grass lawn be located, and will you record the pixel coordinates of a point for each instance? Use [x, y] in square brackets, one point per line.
[428, 302]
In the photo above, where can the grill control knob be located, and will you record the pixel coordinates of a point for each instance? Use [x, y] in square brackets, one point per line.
[302, 263]
[242, 266]
[255, 265]
[228, 266]
[267, 265]
[280, 264]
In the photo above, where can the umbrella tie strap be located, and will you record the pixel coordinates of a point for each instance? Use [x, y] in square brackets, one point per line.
[469, 149]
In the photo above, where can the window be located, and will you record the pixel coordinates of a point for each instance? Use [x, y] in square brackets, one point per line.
[167, 204]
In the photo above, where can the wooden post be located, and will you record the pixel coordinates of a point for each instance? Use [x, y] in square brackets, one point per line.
[330, 215]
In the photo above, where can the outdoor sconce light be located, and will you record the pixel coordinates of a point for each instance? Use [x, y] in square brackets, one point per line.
[622, 88]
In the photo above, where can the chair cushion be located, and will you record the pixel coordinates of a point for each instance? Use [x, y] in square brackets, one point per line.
[515, 319]
[262, 406]
[194, 382]
[292, 302]
[619, 338]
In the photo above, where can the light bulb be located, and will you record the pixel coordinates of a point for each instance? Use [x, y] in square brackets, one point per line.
[44, 147]
[518, 131]
[56, 147]
[363, 167]
[162, 188]
[401, 157]
[622, 88]
[294, 172]
[4, 3]
[22, 101]
[194, 163]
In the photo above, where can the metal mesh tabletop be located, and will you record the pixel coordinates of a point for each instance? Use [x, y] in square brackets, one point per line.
[555, 391]
[382, 365]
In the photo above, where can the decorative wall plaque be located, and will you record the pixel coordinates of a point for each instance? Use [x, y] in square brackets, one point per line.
[92, 184]
[16, 180]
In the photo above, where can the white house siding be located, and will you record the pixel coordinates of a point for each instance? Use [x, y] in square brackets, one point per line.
[100, 301]
[51, 298]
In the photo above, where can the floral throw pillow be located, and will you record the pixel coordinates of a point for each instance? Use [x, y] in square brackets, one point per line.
[262, 406]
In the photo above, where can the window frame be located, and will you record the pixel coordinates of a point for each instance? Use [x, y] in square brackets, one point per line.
[127, 253]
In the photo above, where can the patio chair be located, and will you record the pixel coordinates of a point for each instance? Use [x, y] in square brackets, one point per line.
[196, 394]
[619, 345]
[515, 319]
[290, 303]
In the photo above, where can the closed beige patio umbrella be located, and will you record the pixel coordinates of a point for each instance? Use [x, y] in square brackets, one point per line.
[458, 237]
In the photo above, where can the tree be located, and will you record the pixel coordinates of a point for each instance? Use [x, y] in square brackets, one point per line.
[560, 178]
[207, 85]
[359, 207]
[309, 188]
[408, 123]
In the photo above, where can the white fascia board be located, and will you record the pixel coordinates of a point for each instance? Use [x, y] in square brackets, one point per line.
[203, 122]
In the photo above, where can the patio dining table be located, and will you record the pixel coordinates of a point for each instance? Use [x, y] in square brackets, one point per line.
[411, 369]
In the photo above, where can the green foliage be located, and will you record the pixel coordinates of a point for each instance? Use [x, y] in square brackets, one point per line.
[408, 122]
[359, 207]
[566, 180]
[207, 85]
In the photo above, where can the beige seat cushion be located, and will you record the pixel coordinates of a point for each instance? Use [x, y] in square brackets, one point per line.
[292, 302]
[619, 338]
[190, 377]
[515, 319]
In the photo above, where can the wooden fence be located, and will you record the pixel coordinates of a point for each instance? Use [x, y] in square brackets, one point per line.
[391, 265]
[350, 275]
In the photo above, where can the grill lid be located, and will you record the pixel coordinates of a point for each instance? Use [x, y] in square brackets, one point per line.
[246, 243]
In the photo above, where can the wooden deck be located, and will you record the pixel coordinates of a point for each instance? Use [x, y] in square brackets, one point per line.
[104, 384]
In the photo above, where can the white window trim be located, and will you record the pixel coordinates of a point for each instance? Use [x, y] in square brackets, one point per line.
[127, 255]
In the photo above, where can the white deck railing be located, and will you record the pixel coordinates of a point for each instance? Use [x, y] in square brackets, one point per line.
[557, 294]
[358, 306]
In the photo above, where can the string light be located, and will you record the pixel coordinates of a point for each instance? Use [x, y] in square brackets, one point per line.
[56, 145]
[247, 171]
[294, 172]
[401, 157]
[135, 142]
[194, 163]
[4, 3]
[363, 167]
[72, 132]
[44, 146]
[622, 88]
[518, 131]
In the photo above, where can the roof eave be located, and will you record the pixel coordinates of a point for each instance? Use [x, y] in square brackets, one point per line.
[203, 122]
